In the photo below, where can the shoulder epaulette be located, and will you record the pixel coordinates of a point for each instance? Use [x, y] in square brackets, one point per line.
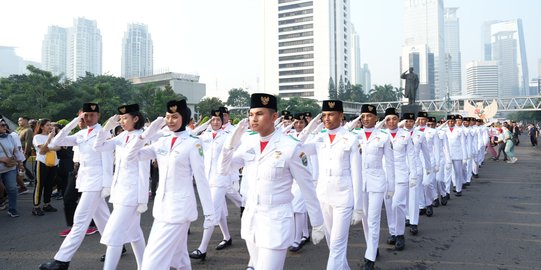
[251, 132]
[383, 131]
[195, 137]
[291, 136]
[324, 130]
[357, 128]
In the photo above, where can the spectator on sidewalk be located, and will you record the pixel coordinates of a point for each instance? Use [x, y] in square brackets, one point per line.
[533, 132]
[10, 159]
[26, 135]
[509, 143]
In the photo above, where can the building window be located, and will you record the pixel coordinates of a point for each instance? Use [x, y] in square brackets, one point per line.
[296, 42]
[299, 64]
[296, 72]
[296, 13]
[297, 86]
[297, 35]
[296, 27]
[297, 79]
[296, 50]
[301, 94]
[296, 57]
[298, 20]
[300, 5]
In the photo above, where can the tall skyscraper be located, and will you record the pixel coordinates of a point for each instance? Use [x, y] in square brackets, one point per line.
[424, 35]
[10, 62]
[54, 50]
[482, 79]
[366, 79]
[355, 50]
[508, 48]
[305, 44]
[452, 56]
[84, 49]
[137, 52]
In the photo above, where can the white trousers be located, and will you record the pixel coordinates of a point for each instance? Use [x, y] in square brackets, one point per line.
[167, 247]
[372, 203]
[440, 180]
[91, 206]
[337, 221]
[265, 258]
[414, 196]
[395, 209]
[428, 194]
[458, 174]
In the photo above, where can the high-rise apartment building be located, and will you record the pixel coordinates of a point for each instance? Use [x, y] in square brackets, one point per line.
[366, 79]
[137, 52]
[84, 49]
[54, 50]
[508, 48]
[305, 45]
[482, 79]
[452, 56]
[10, 62]
[424, 35]
[355, 51]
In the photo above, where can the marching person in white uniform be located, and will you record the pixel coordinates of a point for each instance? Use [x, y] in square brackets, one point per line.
[339, 182]
[378, 178]
[93, 181]
[180, 159]
[299, 209]
[405, 172]
[213, 141]
[428, 191]
[129, 190]
[421, 157]
[444, 163]
[457, 141]
[267, 224]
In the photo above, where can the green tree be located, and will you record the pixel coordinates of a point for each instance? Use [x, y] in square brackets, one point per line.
[207, 104]
[299, 105]
[152, 99]
[332, 89]
[341, 89]
[37, 94]
[357, 94]
[238, 97]
[382, 93]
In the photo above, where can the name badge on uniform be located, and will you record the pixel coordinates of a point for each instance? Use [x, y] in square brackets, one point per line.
[304, 159]
[200, 149]
[277, 154]
[162, 151]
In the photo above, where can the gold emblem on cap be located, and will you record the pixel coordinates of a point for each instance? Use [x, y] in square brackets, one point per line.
[93, 107]
[122, 110]
[370, 108]
[217, 113]
[265, 100]
[173, 108]
[331, 104]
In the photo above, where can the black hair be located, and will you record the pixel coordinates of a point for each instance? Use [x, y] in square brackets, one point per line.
[39, 124]
[140, 121]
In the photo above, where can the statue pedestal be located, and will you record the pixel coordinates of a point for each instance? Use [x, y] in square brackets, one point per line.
[411, 109]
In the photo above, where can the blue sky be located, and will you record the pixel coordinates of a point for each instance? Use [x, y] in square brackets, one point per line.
[222, 40]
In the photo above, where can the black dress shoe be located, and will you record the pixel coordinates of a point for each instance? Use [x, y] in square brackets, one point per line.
[102, 259]
[391, 240]
[475, 175]
[295, 248]
[304, 240]
[465, 185]
[448, 196]
[196, 254]
[444, 200]
[436, 203]
[429, 211]
[241, 211]
[422, 211]
[458, 194]
[414, 230]
[224, 244]
[368, 265]
[54, 265]
[400, 242]
[407, 222]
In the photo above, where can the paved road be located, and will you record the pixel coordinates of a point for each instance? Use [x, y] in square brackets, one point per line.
[496, 224]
